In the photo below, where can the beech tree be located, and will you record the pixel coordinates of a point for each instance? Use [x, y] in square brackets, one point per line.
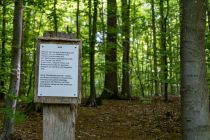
[194, 88]
[154, 47]
[164, 66]
[10, 101]
[3, 52]
[92, 99]
[26, 44]
[55, 19]
[208, 11]
[110, 84]
[77, 19]
[126, 47]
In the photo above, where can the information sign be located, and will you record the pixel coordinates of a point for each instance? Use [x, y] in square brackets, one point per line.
[58, 70]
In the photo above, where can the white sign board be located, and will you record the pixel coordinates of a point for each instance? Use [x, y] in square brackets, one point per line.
[58, 70]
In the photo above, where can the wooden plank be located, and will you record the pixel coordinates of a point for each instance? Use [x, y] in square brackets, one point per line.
[55, 39]
[56, 100]
[59, 34]
[59, 122]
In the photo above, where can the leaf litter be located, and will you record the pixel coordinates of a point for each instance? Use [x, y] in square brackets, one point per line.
[116, 120]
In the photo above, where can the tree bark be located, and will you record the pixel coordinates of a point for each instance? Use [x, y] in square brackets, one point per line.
[154, 42]
[10, 102]
[170, 56]
[55, 18]
[3, 53]
[139, 72]
[110, 84]
[92, 99]
[26, 43]
[208, 15]
[164, 67]
[194, 88]
[126, 47]
[77, 19]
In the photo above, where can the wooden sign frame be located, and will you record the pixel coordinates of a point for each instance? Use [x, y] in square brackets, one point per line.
[57, 99]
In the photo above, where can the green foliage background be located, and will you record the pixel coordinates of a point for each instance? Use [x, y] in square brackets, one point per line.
[38, 18]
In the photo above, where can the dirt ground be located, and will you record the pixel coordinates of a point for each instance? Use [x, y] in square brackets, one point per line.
[116, 120]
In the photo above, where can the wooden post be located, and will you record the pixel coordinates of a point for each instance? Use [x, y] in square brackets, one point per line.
[59, 122]
[59, 109]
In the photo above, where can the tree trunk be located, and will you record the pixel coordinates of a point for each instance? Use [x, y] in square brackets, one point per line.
[8, 129]
[55, 18]
[208, 15]
[154, 47]
[110, 84]
[170, 63]
[3, 53]
[103, 23]
[92, 99]
[77, 20]
[26, 43]
[164, 69]
[126, 47]
[194, 88]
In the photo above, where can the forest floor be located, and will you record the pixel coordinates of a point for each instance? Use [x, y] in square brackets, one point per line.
[116, 120]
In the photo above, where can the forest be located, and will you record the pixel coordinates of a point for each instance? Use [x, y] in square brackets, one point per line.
[145, 67]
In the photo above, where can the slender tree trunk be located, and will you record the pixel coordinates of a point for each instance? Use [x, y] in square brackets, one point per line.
[8, 129]
[24, 58]
[110, 84]
[138, 74]
[92, 82]
[170, 56]
[103, 23]
[90, 20]
[164, 69]
[154, 42]
[147, 67]
[77, 20]
[208, 15]
[3, 52]
[92, 98]
[177, 60]
[126, 47]
[194, 88]
[55, 18]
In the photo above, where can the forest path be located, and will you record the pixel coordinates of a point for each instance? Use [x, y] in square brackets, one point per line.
[116, 120]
